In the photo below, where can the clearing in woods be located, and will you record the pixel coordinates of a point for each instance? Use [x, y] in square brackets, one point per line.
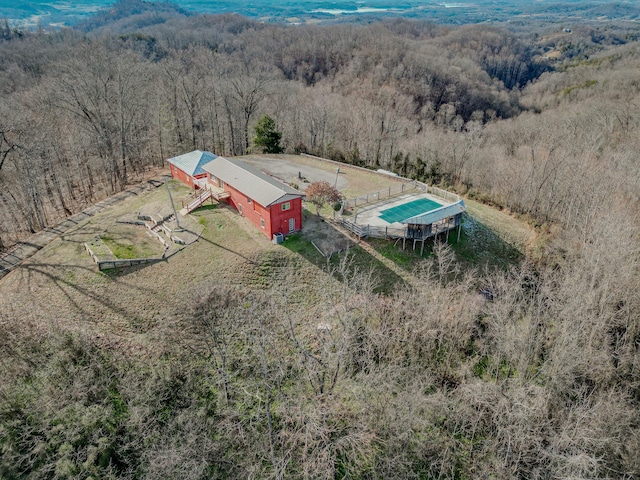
[136, 308]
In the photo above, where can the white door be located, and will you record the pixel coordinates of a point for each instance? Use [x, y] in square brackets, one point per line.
[292, 224]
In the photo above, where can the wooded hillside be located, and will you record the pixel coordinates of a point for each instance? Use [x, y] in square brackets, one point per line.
[539, 377]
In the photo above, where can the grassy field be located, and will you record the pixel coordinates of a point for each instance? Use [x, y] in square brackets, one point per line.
[129, 241]
[61, 287]
[134, 308]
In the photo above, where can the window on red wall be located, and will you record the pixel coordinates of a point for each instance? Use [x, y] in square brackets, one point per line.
[286, 206]
[262, 222]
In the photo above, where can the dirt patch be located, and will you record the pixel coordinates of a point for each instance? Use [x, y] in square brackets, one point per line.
[324, 235]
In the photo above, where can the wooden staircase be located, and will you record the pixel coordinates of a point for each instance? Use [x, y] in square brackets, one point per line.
[360, 230]
[197, 201]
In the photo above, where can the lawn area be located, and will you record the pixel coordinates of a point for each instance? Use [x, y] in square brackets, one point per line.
[355, 259]
[508, 228]
[135, 306]
[392, 250]
[493, 237]
[129, 241]
[300, 246]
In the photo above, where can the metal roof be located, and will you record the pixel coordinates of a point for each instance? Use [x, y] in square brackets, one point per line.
[255, 184]
[191, 163]
[438, 214]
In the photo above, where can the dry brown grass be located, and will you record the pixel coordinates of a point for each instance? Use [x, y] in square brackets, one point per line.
[61, 286]
[509, 228]
[134, 308]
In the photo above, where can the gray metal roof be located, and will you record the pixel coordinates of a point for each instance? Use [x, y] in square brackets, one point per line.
[255, 184]
[191, 163]
[438, 214]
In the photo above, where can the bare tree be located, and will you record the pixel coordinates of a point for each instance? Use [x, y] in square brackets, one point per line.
[103, 90]
[246, 85]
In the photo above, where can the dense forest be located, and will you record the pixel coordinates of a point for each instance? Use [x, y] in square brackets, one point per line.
[539, 378]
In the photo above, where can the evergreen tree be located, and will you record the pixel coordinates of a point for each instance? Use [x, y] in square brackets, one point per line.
[267, 137]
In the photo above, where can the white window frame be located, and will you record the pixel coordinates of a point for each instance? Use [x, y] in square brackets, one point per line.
[286, 206]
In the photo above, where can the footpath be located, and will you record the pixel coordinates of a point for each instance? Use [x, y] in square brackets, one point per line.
[19, 252]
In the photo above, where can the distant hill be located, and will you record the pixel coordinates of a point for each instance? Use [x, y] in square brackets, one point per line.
[130, 15]
[41, 13]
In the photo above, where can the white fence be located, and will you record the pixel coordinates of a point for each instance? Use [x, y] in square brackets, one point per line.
[439, 192]
[397, 190]
[390, 192]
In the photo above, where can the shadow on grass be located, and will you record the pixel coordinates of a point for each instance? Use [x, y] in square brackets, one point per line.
[481, 247]
[211, 242]
[360, 261]
[204, 208]
[67, 284]
[122, 271]
[406, 259]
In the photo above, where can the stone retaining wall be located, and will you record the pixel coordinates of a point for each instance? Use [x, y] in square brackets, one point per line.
[16, 254]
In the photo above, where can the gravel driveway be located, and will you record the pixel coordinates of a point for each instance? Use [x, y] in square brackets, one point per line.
[289, 171]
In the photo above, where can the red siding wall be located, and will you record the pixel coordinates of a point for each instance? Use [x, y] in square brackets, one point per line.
[253, 211]
[280, 218]
[180, 175]
[183, 177]
[275, 220]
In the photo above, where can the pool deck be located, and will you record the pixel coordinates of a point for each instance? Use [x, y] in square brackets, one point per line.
[370, 214]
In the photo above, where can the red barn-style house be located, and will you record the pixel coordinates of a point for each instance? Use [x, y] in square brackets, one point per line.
[188, 167]
[272, 206]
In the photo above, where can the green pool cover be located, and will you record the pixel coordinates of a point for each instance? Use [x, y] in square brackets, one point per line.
[408, 210]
